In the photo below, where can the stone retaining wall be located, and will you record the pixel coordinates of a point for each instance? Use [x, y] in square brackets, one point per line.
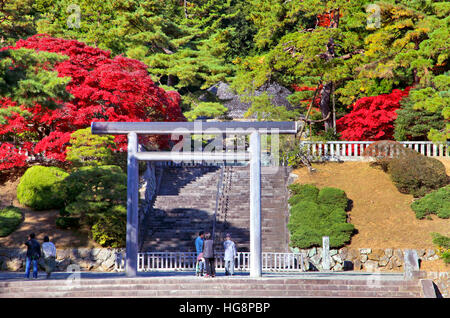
[105, 259]
[95, 259]
[365, 259]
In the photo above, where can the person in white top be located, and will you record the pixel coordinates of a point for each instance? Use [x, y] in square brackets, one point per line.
[230, 254]
[49, 253]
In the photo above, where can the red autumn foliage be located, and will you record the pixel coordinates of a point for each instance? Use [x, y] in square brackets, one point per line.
[371, 118]
[10, 156]
[103, 89]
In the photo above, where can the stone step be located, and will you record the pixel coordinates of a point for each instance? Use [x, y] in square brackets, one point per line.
[217, 287]
[185, 191]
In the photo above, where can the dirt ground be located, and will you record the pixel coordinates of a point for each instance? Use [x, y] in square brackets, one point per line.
[40, 222]
[382, 215]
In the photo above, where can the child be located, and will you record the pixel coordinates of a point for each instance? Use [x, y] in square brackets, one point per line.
[200, 267]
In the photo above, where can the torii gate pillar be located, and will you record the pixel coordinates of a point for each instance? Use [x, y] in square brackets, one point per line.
[255, 205]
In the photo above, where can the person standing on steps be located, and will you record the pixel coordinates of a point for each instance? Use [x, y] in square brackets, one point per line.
[49, 251]
[230, 254]
[33, 255]
[208, 255]
[200, 266]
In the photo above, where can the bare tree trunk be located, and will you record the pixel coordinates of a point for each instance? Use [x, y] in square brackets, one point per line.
[324, 106]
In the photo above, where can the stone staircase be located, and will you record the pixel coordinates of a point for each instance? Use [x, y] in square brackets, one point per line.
[186, 202]
[223, 287]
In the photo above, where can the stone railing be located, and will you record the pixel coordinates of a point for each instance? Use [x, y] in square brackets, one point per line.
[162, 261]
[353, 150]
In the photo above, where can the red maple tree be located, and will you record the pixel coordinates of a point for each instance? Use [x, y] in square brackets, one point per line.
[371, 118]
[103, 89]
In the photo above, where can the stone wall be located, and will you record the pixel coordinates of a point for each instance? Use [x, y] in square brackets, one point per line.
[365, 259]
[107, 259]
[441, 279]
[95, 259]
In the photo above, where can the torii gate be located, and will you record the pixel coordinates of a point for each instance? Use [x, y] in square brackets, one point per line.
[133, 129]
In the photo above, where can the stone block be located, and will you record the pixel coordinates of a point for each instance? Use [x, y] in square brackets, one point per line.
[337, 258]
[384, 260]
[430, 253]
[62, 254]
[338, 267]
[312, 252]
[376, 254]
[371, 266]
[316, 259]
[352, 255]
[357, 265]
[389, 252]
[365, 250]
[343, 252]
[14, 264]
[363, 258]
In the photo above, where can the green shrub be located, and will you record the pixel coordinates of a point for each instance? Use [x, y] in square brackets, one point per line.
[416, 174]
[110, 229]
[90, 150]
[67, 222]
[40, 188]
[334, 197]
[443, 243]
[301, 192]
[310, 221]
[10, 219]
[437, 202]
[97, 197]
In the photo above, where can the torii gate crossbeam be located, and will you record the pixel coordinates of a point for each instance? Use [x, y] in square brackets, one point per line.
[254, 129]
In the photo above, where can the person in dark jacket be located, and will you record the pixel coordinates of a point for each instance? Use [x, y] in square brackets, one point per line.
[33, 255]
[208, 255]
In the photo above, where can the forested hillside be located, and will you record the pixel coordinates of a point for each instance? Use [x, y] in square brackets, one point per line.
[335, 53]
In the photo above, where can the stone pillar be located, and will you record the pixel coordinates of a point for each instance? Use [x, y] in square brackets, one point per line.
[255, 205]
[132, 206]
[326, 253]
[411, 265]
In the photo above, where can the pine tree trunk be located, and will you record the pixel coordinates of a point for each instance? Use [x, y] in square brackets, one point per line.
[324, 105]
[170, 80]
[325, 98]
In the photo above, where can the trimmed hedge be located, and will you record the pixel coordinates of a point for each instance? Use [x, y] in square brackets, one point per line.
[301, 192]
[437, 202]
[10, 219]
[40, 188]
[334, 197]
[316, 214]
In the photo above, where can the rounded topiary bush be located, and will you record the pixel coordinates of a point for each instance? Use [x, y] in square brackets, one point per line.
[40, 188]
[416, 174]
[437, 202]
[334, 197]
[10, 219]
